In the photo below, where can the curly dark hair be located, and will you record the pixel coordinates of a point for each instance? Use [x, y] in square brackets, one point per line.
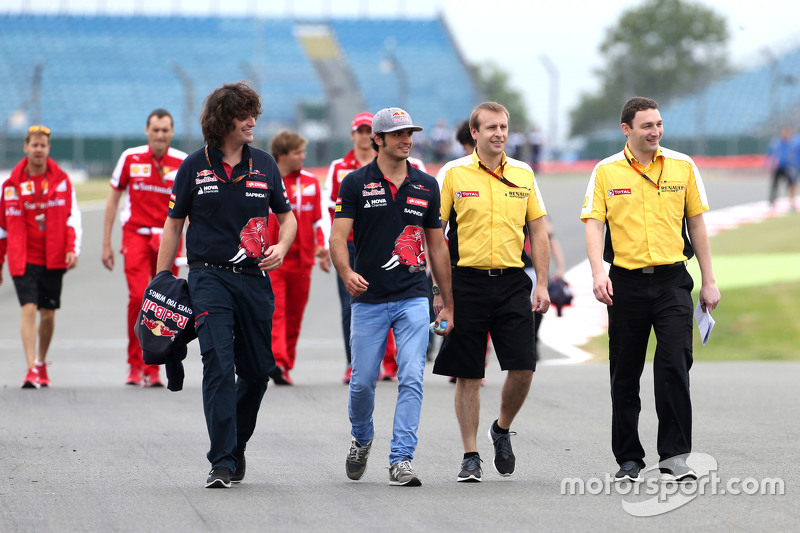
[221, 107]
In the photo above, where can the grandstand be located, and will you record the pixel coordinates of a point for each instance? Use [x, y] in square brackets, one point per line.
[93, 79]
[738, 114]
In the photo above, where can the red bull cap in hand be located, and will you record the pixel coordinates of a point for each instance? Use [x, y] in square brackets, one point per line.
[392, 119]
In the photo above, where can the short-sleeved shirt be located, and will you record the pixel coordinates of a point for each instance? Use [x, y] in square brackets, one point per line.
[645, 215]
[147, 181]
[228, 215]
[388, 230]
[487, 216]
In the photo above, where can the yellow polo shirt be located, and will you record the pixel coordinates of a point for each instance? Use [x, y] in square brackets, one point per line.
[486, 216]
[645, 218]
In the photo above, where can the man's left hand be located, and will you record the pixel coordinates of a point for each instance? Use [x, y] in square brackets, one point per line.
[72, 260]
[273, 258]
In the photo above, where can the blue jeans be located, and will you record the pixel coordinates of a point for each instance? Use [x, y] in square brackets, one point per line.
[371, 322]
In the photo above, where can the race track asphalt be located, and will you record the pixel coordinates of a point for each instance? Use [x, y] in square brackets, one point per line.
[90, 454]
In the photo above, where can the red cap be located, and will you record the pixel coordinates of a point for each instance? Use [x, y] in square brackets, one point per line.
[362, 119]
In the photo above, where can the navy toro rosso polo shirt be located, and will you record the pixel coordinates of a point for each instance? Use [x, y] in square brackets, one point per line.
[388, 230]
[228, 216]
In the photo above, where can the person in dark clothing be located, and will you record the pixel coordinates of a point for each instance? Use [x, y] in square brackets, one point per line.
[226, 189]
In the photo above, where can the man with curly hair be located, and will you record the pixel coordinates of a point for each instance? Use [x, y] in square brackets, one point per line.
[227, 189]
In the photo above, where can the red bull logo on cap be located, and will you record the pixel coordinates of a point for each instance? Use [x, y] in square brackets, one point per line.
[158, 328]
[164, 313]
[399, 113]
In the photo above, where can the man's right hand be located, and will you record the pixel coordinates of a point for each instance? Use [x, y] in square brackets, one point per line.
[107, 256]
[601, 286]
[355, 284]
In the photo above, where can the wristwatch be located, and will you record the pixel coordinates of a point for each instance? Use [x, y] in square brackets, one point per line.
[435, 289]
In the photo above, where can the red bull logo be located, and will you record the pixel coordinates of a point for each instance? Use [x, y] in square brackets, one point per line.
[399, 113]
[372, 185]
[408, 250]
[253, 240]
[164, 313]
[205, 174]
[158, 328]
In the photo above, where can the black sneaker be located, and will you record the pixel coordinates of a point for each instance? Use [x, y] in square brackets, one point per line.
[219, 478]
[356, 463]
[676, 469]
[628, 471]
[504, 460]
[241, 466]
[471, 469]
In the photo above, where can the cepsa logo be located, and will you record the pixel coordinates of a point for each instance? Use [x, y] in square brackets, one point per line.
[256, 185]
[417, 201]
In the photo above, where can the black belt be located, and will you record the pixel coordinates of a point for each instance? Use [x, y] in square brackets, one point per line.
[492, 272]
[252, 270]
[657, 269]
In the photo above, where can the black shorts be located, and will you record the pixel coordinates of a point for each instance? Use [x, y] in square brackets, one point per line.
[500, 306]
[40, 286]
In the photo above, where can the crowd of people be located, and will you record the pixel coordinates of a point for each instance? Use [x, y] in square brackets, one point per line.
[465, 255]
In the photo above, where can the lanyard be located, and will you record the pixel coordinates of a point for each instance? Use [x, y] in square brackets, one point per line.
[158, 166]
[645, 176]
[500, 178]
[249, 172]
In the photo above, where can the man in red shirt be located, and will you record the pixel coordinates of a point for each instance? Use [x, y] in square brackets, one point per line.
[291, 282]
[40, 228]
[361, 154]
[145, 173]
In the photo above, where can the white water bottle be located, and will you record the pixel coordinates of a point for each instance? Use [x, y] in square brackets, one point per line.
[442, 326]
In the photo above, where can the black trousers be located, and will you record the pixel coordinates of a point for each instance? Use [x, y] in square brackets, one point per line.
[660, 301]
[233, 317]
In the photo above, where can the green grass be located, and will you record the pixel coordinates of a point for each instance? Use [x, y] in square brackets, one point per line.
[93, 189]
[758, 272]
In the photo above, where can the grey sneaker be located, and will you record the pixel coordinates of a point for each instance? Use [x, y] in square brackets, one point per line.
[628, 471]
[471, 470]
[676, 469]
[401, 473]
[504, 460]
[219, 478]
[356, 463]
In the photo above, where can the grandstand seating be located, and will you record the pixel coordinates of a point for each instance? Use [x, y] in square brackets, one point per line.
[102, 74]
[737, 114]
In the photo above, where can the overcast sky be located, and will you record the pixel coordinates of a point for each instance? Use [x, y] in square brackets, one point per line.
[516, 34]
